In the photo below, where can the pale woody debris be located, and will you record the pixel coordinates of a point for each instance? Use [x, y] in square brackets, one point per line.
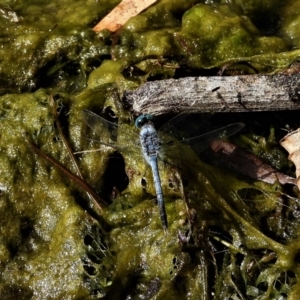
[122, 13]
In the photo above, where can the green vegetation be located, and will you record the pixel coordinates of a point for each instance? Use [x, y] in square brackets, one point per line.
[239, 239]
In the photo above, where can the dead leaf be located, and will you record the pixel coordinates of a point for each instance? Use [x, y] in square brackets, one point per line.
[291, 143]
[122, 13]
[247, 163]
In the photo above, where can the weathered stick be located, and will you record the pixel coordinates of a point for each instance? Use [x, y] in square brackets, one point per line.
[246, 93]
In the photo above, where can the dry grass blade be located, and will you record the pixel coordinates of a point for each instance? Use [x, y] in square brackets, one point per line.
[122, 13]
[60, 132]
[84, 185]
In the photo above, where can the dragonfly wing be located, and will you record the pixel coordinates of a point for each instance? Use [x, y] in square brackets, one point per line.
[183, 126]
[201, 142]
[103, 130]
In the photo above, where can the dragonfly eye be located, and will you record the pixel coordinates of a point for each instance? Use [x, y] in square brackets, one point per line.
[142, 119]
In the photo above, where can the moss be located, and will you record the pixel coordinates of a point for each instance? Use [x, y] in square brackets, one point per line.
[45, 226]
[219, 36]
[110, 72]
[41, 36]
[228, 235]
[51, 45]
[290, 24]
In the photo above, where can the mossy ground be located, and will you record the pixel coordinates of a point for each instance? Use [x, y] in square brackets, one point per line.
[237, 239]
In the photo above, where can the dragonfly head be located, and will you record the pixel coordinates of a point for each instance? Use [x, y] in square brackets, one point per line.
[143, 119]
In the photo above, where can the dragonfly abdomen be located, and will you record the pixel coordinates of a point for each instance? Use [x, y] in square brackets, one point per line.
[159, 195]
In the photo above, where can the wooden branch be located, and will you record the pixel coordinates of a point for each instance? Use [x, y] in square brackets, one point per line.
[246, 93]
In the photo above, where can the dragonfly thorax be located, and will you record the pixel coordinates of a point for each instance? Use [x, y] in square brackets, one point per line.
[149, 141]
[142, 120]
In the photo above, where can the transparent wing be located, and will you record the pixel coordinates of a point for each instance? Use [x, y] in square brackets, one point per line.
[183, 126]
[102, 129]
[170, 148]
[188, 129]
[202, 142]
[109, 133]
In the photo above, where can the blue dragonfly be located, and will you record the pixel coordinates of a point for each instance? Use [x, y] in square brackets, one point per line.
[151, 142]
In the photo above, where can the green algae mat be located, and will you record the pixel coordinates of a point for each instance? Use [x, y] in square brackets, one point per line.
[229, 237]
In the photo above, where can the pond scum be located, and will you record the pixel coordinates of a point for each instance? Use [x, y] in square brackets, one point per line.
[230, 237]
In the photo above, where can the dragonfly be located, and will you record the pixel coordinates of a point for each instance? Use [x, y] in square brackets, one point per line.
[151, 142]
